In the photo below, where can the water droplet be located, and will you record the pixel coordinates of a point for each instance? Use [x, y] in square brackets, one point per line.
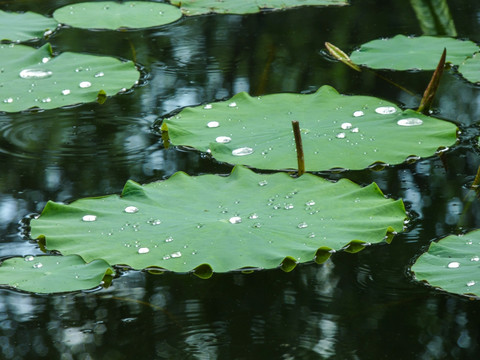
[311, 235]
[475, 258]
[45, 59]
[253, 216]
[166, 257]
[346, 126]
[310, 203]
[143, 250]
[235, 220]
[99, 74]
[263, 183]
[29, 258]
[35, 74]
[66, 92]
[302, 225]
[176, 254]
[38, 265]
[223, 139]
[85, 84]
[358, 113]
[46, 100]
[242, 151]
[131, 209]
[288, 206]
[169, 239]
[8, 100]
[340, 135]
[354, 130]
[213, 124]
[471, 283]
[257, 225]
[409, 122]
[89, 218]
[232, 104]
[385, 110]
[208, 107]
[453, 265]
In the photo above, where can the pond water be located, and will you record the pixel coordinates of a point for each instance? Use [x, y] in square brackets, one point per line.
[355, 306]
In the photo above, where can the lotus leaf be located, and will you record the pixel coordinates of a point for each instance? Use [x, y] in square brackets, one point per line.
[115, 15]
[197, 7]
[350, 132]
[33, 78]
[245, 220]
[51, 274]
[470, 69]
[18, 27]
[412, 53]
[452, 264]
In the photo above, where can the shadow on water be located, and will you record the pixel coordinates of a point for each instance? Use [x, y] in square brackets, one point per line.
[355, 306]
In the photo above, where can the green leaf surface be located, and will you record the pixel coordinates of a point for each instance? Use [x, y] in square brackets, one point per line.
[198, 7]
[337, 131]
[33, 78]
[116, 15]
[18, 27]
[412, 53]
[52, 274]
[470, 69]
[245, 220]
[452, 264]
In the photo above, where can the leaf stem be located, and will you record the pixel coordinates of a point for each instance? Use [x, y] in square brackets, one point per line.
[432, 87]
[298, 144]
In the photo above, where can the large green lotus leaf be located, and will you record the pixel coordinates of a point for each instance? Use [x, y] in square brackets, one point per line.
[243, 220]
[18, 27]
[350, 132]
[470, 69]
[410, 53]
[52, 274]
[452, 264]
[34, 78]
[115, 15]
[197, 7]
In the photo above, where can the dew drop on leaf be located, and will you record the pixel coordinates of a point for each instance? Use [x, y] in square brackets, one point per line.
[208, 107]
[471, 283]
[385, 110]
[34, 74]
[253, 216]
[131, 209]
[310, 203]
[29, 258]
[242, 151]
[232, 104]
[99, 74]
[410, 122]
[302, 225]
[38, 265]
[235, 220]
[89, 218]
[213, 124]
[143, 250]
[340, 135]
[346, 126]
[176, 254]
[223, 139]
[263, 183]
[475, 258]
[85, 84]
[358, 113]
[66, 92]
[453, 265]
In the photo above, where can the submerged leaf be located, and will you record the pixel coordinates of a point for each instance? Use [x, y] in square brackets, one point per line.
[452, 264]
[198, 7]
[249, 221]
[52, 274]
[115, 15]
[351, 132]
[412, 53]
[32, 78]
[18, 27]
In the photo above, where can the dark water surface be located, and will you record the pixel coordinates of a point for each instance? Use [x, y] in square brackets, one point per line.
[355, 306]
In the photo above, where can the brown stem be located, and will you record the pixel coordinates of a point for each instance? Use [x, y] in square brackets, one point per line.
[432, 87]
[298, 144]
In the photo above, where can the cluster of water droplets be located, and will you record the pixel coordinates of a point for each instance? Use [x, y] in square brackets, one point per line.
[224, 139]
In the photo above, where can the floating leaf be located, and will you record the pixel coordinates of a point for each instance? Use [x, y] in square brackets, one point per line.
[452, 264]
[410, 53]
[18, 27]
[198, 7]
[350, 132]
[34, 78]
[245, 220]
[51, 274]
[470, 69]
[115, 15]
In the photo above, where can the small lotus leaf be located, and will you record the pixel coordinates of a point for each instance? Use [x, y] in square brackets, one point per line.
[198, 7]
[52, 274]
[349, 132]
[33, 78]
[470, 69]
[245, 220]
[452, 264]
[18, 27]
[412, 53]
[115, 15]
